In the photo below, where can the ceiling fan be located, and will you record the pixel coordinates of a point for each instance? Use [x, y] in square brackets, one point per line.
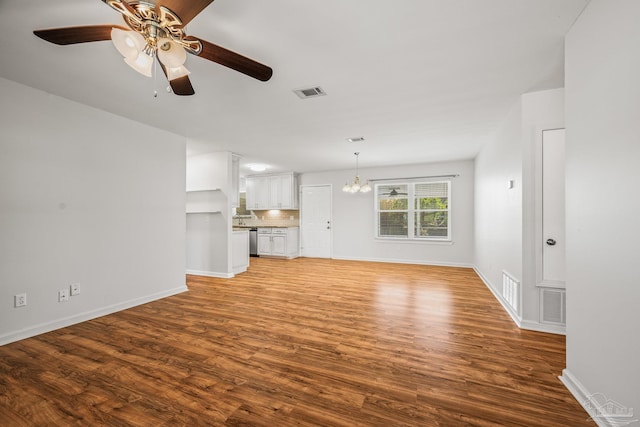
[394, 192]
[158, 30]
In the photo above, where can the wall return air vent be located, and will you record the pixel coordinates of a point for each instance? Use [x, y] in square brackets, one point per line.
[311, 92]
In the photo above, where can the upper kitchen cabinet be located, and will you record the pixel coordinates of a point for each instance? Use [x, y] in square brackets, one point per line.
[281, 192]
[257, 192]
[278, 191]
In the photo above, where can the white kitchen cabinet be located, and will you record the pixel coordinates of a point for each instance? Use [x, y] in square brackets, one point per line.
[278, 242]
[257, 193]
[281, 191]
[264, 242]
[278, 191]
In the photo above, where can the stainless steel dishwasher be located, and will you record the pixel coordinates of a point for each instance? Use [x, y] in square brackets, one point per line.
[253, 242]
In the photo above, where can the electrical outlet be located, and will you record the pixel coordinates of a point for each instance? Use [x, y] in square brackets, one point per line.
[63, 295]
[20, 300]
[75, 289]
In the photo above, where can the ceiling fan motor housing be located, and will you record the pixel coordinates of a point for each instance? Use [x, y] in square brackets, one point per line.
[154, 23]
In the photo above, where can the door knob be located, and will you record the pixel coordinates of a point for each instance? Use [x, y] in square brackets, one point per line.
[551, 242]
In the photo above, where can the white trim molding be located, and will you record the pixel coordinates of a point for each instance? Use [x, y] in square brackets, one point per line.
[543, 327]
[406, 261]
[602, 411]
[507, 307]
[42, 328]
[210, 274]
[517, 319]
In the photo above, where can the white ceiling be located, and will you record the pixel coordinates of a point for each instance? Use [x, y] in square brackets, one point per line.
[421, 80]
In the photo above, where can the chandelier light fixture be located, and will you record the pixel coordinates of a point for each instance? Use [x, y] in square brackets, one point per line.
[356, 187]
[156, 34]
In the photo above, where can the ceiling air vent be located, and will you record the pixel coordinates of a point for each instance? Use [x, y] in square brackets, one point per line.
[311, 92]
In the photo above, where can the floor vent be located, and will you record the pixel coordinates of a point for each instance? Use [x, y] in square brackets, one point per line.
[511, 291]
[311, 92]
[553, 306]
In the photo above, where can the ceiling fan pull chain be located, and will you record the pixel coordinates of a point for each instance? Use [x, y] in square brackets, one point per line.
[155, 78]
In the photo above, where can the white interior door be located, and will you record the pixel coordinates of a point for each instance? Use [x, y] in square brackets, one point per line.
[315, 221]
[553, 207]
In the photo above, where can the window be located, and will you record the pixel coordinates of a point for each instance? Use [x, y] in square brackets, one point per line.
[416, 211]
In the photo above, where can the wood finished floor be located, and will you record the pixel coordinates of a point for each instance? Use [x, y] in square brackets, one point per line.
[302, 342]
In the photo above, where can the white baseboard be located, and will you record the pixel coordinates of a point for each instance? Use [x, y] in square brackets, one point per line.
[210, 274]
[88, 315]
[517, 319]
[543, 327]
[239, 270]
[514, 316]
[582, 395]
[405, 261]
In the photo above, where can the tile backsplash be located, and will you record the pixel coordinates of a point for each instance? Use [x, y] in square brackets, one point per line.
[270, 218]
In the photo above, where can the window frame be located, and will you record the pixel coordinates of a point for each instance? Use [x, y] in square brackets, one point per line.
[411, 212]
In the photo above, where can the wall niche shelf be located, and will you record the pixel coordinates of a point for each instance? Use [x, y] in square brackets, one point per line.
[204, 201]
[202, 191]
[204, 212]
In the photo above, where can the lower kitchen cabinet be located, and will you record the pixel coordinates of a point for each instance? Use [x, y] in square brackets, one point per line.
[278, 242]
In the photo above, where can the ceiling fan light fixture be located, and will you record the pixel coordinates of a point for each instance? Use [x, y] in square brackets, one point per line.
[143, 64]
[153, 30]
[170, 53]
[177, 72]
[128, 43]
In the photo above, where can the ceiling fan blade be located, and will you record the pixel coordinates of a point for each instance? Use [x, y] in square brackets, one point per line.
[73, 35]
[181, 85]
[234, 61]
[186, 10]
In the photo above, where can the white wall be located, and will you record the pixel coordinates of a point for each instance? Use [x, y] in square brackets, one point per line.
[353, 217]
[498, 218]
[505, 220]
[603, 230]
[85, 197]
